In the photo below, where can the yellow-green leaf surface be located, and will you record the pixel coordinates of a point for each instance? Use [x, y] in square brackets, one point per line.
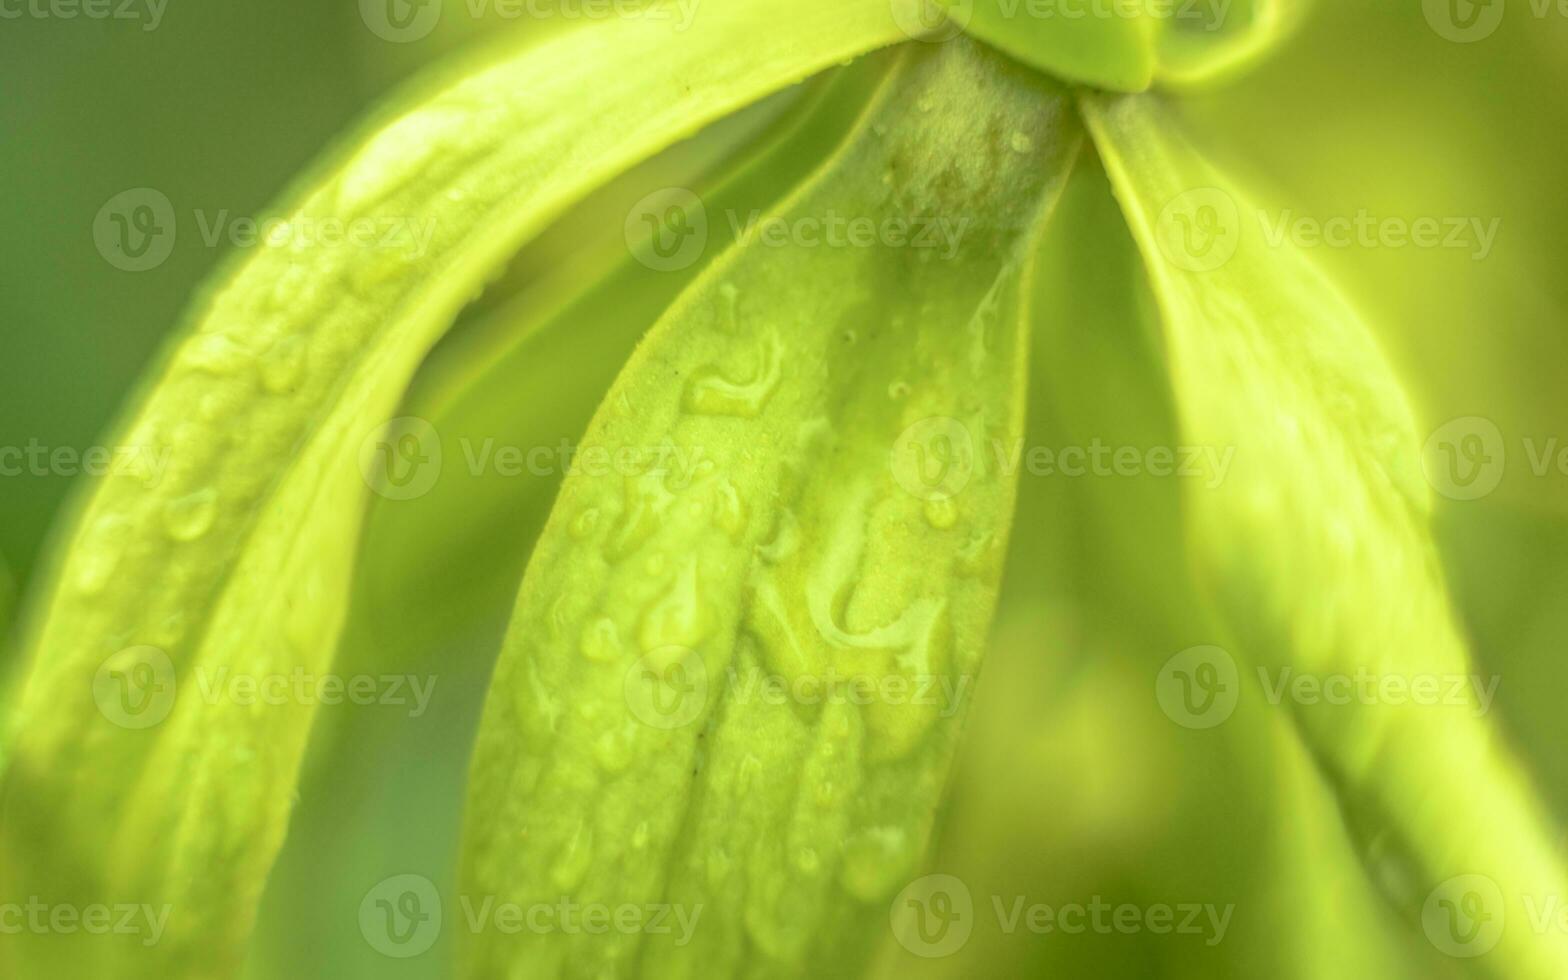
[234, 563]
[1106, 43]
[1208, 41]
[1126, 45]
[1317, 551]
[672, 723]
[439, 572]
[528, 376]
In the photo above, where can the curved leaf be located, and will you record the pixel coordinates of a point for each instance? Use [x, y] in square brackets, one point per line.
[236, 564]
[668, 726]
[1317, 549]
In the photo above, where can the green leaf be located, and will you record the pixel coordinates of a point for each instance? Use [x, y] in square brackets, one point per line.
[777, 527]
[1214, 40]
[236, 563]
[1112, 49]
[1317, 551]
[529, 374]
[440, 572]
[1128, 45]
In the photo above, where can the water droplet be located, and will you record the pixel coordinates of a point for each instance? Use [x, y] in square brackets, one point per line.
[712, 393]
[719, 865]
[613, 749]
[191, 516]
[876, 860]
[171, 631]
[215, 354]
[680, 618]
[642, 509]
[898, 390]
[1020, 142]
[640, 835]
[101, 553]
[941, 513]
[585, 523]
[572, 863]
[972, 557]
[807, 860]
[601, 641]
[282, 366]
[730, 294]
[729, 511]
[786, 538]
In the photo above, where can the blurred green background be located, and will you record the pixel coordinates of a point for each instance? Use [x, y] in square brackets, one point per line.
[1072, 784]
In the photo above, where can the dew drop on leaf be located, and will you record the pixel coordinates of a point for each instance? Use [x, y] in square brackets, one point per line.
[601, 642]
[191, 516]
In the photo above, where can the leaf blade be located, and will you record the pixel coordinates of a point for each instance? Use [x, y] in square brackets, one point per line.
[764, 564]
[1317, 545]
[291, 365]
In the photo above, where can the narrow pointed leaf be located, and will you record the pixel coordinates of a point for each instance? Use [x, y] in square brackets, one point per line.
[783, 539]
[235, 562]
[1317, 550]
